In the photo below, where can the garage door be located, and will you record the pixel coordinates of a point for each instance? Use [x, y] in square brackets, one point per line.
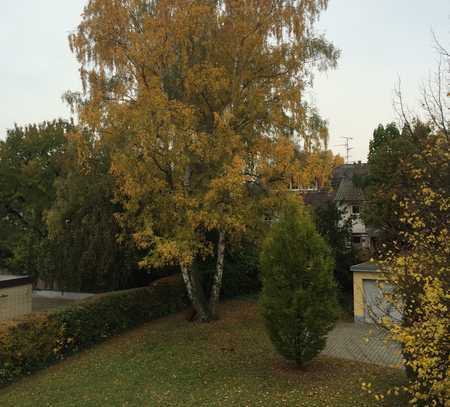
[375, 305]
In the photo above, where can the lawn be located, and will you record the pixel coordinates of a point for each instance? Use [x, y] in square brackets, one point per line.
[171, 362]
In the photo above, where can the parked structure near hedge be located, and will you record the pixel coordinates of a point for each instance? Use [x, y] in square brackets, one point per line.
[369, 286]
[40, 339]
[15, 296]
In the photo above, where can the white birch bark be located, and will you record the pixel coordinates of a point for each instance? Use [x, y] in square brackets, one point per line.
[193, 294]
[218, 275]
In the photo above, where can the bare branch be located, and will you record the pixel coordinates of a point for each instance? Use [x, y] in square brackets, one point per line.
[439, 47]
[401, 109]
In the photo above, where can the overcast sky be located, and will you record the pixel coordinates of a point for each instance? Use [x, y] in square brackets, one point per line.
[381, 40]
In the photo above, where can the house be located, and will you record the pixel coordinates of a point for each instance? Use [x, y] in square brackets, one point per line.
[369, 289]
[348, 198]
[319, 198]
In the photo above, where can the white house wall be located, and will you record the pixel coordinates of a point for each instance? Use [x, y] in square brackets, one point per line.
[358, 226]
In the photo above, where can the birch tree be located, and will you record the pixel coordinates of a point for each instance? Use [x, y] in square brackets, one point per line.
[203, 101]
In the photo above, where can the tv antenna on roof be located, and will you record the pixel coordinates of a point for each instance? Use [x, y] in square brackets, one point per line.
[347, 148]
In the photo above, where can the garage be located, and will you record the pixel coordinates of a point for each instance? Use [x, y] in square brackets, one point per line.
[369, 301]
[15, 296]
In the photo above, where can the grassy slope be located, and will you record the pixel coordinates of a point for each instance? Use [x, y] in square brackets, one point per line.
[171, 362]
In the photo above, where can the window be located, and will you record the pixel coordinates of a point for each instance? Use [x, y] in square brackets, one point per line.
[355, 209]
[356, 239]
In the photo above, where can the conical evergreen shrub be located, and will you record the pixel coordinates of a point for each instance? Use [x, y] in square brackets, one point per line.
[299, 292]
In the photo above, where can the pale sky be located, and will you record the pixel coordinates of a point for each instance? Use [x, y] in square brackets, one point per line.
[381, 40]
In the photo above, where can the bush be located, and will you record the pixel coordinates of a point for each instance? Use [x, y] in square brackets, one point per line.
[299, 293]
[241, 271]
[240, 278]
[241, 274]
[37, 340]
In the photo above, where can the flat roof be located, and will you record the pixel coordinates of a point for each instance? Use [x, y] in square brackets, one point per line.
[367, 267]
[8, 280]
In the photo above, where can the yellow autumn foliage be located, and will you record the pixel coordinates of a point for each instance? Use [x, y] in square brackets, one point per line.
[201, 103]
[419, 271]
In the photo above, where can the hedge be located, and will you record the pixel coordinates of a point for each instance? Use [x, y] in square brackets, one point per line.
[40, 339]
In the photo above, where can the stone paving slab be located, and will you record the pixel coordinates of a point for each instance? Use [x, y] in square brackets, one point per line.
[364, 343]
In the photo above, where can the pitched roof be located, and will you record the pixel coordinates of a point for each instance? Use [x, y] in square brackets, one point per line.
[317, 198]
[368, 266]
[347, 191]
[348, 171]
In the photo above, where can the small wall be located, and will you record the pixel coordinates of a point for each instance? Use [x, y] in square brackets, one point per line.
[63, 295]
[358, 291]
[15, 301]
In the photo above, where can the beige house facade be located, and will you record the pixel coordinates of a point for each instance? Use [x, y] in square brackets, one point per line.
[15, 296]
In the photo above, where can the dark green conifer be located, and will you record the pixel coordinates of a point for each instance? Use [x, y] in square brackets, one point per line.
[299, 292]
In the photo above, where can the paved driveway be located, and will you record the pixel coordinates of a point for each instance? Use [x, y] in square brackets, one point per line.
[363, 342]
[44, 304]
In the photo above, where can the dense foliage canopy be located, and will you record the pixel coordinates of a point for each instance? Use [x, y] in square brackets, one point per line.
[30, 161]
[57, 218]
[202, 104]
[390, 153]
[418, 269]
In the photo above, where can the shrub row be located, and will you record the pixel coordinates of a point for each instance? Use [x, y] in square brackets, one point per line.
[40, 339]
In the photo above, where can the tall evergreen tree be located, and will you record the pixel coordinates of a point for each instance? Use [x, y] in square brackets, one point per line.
[299, 293]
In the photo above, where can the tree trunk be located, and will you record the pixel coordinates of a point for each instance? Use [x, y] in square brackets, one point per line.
[199, 290]
[191, 276]
[195, 293]
[217, 281]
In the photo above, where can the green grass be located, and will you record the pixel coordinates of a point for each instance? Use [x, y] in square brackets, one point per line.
[171, 362]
